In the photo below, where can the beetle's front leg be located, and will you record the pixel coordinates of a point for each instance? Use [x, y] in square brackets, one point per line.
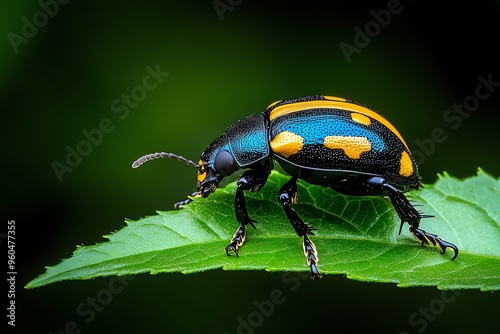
[251, 180]
[288, 196]
[180, 204]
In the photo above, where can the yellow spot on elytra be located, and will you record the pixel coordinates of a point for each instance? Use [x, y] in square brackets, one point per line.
[287, 143]
[361, 118]
[352, 146]
[405, 165]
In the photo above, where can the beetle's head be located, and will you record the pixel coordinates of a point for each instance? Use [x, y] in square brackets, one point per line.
[215, 163]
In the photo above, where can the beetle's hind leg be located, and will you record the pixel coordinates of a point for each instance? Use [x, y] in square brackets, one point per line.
[287, 197]
[407, 213]
[405, 210]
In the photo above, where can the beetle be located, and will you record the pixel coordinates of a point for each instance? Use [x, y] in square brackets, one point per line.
[323, 140]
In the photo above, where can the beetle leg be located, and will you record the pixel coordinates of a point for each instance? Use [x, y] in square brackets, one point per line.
[425, 238]
[251, 180]
[180, 204]
[287, 197]
[407, 212]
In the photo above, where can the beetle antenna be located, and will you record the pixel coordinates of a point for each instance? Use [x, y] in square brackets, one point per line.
[154, 156]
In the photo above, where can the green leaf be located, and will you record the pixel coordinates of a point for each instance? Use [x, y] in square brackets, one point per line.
[356, 236]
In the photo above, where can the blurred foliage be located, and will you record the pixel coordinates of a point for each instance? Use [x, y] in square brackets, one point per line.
[64, 80]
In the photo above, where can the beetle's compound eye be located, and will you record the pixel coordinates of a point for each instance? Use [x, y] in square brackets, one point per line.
[224, 163]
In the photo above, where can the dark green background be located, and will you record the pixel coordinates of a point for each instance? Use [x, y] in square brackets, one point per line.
[63, 81]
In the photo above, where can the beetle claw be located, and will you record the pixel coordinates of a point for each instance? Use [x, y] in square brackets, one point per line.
[425, 238]
[232, 247]
[237, 240]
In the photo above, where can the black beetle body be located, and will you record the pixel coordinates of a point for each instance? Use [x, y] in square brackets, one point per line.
[323, 140]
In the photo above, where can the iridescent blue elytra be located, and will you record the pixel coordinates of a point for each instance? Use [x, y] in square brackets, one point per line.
[322, 140]
[314, 125]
